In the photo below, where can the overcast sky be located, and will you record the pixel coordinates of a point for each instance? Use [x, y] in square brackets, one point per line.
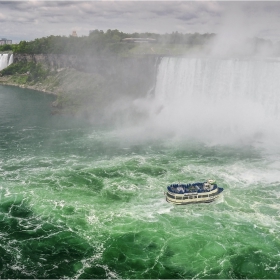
[27, 20]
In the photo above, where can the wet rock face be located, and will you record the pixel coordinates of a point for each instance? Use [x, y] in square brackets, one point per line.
[55, 61]
[126, 75]
[87, 63]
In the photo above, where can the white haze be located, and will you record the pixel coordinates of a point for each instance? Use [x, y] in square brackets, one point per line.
[228, 95]
[215, 101]
[241, 23]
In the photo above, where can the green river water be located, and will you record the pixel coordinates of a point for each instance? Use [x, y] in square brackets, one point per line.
[81, 201]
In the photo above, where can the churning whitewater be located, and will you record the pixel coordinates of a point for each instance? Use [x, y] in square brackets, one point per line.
[78, 201]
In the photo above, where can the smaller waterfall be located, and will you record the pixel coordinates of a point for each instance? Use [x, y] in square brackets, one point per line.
[5, 60]
[11, 59]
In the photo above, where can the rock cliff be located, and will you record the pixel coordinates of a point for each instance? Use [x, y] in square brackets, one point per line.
[93, 84]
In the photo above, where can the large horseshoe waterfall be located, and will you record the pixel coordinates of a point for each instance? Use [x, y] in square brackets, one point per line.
[218, 101]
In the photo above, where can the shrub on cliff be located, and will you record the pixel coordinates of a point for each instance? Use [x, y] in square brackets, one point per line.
[16, 68]
[35, 72]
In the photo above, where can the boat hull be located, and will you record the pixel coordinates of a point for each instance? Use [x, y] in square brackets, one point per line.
[182, 199]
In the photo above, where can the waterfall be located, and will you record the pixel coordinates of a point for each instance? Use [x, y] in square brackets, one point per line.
[217, 100]
[11, 59]
[5, 60]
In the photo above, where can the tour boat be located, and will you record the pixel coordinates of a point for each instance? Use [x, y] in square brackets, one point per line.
[193, 193]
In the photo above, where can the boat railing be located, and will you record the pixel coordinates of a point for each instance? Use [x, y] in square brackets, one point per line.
[190, 188]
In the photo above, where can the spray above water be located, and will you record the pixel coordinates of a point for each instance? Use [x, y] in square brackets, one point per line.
[217, 101]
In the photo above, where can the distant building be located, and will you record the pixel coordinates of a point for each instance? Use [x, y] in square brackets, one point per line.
[139, 40]
[5, 41]
[74, 33]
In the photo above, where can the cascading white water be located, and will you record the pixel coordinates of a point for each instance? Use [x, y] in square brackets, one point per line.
[5, 60]
[217, 101]
[11, 59]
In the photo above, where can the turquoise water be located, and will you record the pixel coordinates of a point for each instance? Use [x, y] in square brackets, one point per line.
[78, 201]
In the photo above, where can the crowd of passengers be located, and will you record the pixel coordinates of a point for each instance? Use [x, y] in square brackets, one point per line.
[199, 187]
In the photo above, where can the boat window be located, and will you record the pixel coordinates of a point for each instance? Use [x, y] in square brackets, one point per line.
[200, 196]
[170, 195]
[186, 197]
[206, 195]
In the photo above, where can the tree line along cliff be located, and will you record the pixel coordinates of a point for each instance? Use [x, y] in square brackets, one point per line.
[110, 42]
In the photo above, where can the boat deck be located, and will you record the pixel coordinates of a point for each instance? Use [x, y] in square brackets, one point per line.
[191, 188]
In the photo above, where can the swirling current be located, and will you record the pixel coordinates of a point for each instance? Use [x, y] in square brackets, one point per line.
[81, 201]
